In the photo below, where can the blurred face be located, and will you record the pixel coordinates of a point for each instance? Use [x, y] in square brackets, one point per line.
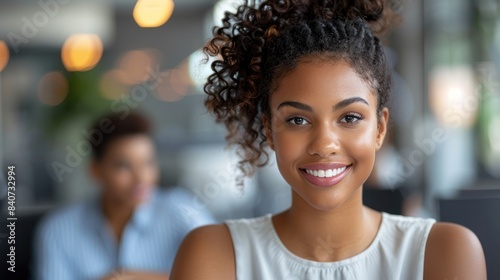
[325, 131]
[128, 170]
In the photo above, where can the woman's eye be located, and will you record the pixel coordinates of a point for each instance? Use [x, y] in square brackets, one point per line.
[297, 121]
[351, 119]
[122, 165]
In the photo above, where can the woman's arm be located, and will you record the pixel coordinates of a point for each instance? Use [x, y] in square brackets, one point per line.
[453, 252]
[206, 253]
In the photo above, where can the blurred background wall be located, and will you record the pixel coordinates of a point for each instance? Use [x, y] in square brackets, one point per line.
[64, 62]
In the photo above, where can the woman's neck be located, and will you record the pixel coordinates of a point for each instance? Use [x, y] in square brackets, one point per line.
[327, 235]
[117, 215]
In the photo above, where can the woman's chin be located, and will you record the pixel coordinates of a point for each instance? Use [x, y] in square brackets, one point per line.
[326, 201]
[140, 196]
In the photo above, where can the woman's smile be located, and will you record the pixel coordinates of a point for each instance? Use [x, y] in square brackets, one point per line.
[325, 174]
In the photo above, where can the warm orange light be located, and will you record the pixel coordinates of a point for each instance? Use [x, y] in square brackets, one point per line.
[152, 13]
[4, 55]
[53, 88]
[81, 52]
[173, 85]
[137, 66]
[179, 80]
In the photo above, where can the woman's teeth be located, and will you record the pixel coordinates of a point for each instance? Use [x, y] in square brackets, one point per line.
[325, 173]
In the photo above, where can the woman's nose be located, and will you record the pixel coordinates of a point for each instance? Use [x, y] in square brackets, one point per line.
[141, 173]
[324, 141]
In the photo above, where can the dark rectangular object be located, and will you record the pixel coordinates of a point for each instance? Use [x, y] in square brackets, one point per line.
[481, 214]
[479, 193]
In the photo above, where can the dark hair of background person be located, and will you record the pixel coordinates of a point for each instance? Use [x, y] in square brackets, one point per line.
[117, 126]
[264, 40]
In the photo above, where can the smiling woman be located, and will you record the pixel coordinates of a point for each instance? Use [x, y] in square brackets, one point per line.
[310, 80]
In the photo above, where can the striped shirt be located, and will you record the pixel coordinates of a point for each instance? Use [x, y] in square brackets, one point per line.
[77, 243]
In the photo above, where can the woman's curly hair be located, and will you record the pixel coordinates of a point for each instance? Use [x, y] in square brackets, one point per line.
[264, 40]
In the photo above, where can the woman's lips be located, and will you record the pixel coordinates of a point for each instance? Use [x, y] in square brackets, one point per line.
[325, 174]
[141, 192]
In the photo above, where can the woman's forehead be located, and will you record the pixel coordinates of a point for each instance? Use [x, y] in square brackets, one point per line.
[319, 79]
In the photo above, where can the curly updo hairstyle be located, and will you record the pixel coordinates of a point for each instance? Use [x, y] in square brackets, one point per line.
[264, 40]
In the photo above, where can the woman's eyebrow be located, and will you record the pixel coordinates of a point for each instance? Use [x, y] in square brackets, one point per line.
[340, 105]
[297, 105]
[349, 101]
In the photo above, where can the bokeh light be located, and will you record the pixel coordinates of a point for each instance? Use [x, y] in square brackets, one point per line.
[173, 85]
[152, 13]
[4, 55]
[179, 79]
[137, 66]
[199, 68]
[53, 88]
[453, 96]
[223, 6]
[81, 52]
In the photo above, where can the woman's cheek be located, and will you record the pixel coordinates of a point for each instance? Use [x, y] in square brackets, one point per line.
[288, 149]
[282, 148]
[121, 180]
[362, 147]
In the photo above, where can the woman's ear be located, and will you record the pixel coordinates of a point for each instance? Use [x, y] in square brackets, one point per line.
[383, 119]
[266, 121]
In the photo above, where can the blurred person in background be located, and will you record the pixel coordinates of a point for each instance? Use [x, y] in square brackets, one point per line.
[131, 229]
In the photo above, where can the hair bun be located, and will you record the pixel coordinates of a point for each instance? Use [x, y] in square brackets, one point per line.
[377, 13]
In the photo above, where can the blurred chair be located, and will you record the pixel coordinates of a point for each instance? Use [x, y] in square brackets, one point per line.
[478, 210]
[479, 193]
[481, 189]
[384, 200]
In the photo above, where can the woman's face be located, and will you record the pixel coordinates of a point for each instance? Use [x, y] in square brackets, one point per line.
[325, 131]
[128, 170]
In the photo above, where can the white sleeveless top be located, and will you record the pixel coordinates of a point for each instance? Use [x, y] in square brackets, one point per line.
[397, 252]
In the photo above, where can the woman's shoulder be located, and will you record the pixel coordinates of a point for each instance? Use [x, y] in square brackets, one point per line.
[65, 217]
[210, 250]
[407, 221]
[62, 224]
[407, 228]
[453, 251]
